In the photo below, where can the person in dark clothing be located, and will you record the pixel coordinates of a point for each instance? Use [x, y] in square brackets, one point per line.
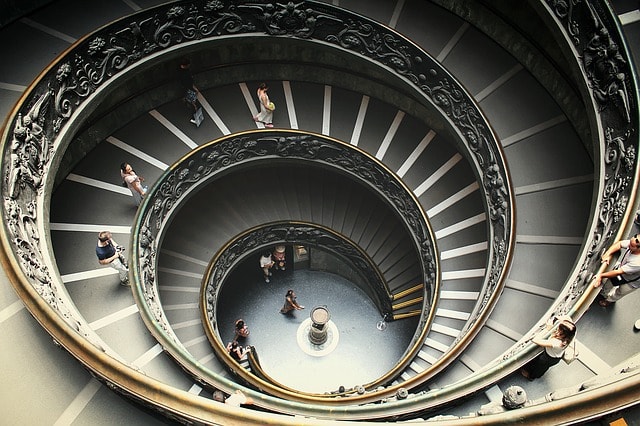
[110, 253]
[554, 348]
[236, 351]
[188, 85]
[290, 303]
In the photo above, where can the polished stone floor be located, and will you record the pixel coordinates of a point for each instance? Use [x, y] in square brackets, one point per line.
[357, 352]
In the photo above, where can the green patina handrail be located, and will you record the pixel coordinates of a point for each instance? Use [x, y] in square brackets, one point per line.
[64, 89]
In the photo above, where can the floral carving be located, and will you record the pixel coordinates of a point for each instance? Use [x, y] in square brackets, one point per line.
[564, 9]
[604, 66]
[383, 47]
[30, 151]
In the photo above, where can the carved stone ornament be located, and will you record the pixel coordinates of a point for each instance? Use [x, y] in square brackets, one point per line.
[607, 73]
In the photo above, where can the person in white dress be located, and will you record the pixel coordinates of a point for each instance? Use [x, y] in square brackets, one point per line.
[265, 115]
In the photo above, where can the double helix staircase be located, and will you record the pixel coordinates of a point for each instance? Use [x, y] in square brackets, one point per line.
[552, 175]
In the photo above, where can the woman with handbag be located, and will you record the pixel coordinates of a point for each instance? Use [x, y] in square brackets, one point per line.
[554, 348]
[266, 107]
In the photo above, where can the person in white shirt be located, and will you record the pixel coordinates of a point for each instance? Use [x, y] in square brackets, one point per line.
[625, 276]
[133, 182]
[266, 263]
[554, 348]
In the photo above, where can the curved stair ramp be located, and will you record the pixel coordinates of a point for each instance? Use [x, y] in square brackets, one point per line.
[541, 196]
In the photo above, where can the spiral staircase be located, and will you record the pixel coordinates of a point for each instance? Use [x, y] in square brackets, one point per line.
[467, 327]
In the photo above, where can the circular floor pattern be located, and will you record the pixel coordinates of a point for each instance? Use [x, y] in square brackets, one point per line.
[362, 353]
[302, 336]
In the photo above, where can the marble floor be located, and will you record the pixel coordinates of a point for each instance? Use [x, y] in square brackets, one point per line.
[356, 352]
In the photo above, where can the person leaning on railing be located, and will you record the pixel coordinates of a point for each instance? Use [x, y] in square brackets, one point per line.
[625, 275]
[554, 347]
[236, 351]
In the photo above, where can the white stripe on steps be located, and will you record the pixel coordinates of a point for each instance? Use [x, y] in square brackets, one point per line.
[213, 114]
[291, 109]
[86, 227]
[554, 184]
[460, 195]
[11, 310]
[113, 318]
[357, 127]
[86, 275]
[416, 153]
[393, 129]
[435, 176]
[136, 152]
[468, 273]
[326, 111]
[148, 356]
[498, 83]
[173, 129]
[98, 184]
[184, 257]
[462, 251]
[457, 227]
[48, 30]
[82, 399]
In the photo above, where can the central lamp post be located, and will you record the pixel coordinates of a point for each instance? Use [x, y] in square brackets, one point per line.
[320, 316]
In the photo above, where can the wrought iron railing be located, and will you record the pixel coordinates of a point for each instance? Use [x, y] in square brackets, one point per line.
[80, 76]
[42, 125]
[289, 232]
[202, 166]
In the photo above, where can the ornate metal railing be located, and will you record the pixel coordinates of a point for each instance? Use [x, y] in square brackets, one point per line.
[610, 86]
[288, 232]
[203, 165]
[43, 124]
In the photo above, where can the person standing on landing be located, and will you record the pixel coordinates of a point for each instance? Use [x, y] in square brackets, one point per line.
[625, 276]
[290, 303]
[266, 262]
[266, 107]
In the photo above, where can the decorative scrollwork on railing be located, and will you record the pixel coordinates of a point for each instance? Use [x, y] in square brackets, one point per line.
[201, 165]
[114, 49]
[289, 233]
[601, 57]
